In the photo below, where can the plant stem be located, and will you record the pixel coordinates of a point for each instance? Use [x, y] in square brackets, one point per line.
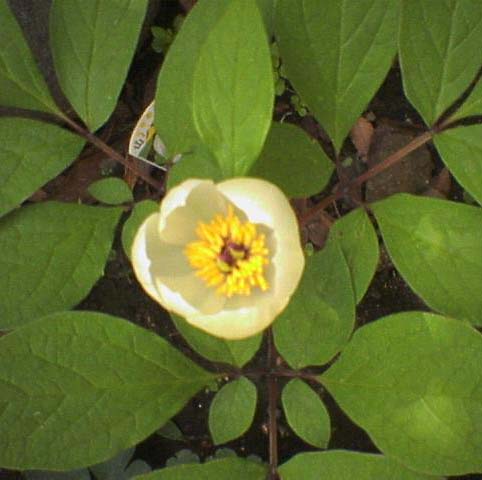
[272, 409]
[375, 170]
[110, 152]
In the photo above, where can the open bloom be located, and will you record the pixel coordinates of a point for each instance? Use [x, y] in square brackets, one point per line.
[227, 257]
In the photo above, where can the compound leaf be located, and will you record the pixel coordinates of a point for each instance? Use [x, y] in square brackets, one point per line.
[461, 150]
[232, 410]
[436, 244]
[346, 465]
[413, 382]
[233, 88]
[52, 254]
[79, 387]
[21, 83]
[293, 161]
[31, 153]
[222, 469]
[306, 413]
[440, 52]
[336, 54]
[359, 243]
[321, 313]
[234, 352]
[93, 43]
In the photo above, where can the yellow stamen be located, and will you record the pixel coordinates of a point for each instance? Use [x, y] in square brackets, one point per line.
[229, 255]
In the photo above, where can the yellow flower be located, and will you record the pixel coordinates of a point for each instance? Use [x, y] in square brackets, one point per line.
[227, 257]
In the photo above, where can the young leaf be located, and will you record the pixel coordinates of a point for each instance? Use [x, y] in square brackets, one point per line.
[471, 106]
[306, 414]
[293, 161]
[436, 246]
[234, 352]
[52, 254]
[439, 52]
[31, 153]
[233, 88]
[321, 314]
[112, 191]
[346, 465]
[93, 45]
[232, 410]
[199, 163]
[222, 469]
[413, 382]
[21, 83]
[336, 54]
[461, 150]
[78, 387]
[139, 213]
[174, 120]
[359, 243]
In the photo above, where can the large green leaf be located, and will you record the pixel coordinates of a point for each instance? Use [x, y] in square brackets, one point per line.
[346, 465]
[436, 245]
[234, 352]
[336, 54]
[461, 150]
[31, 153]
[78, 387]
[173, 114]
[93, 42]
[413, 382]
[267, 9]
[293, 161]
[320, 317]
[222, 469]
[306, 414]
[21, 83]
[440, 52]
[233, 88]
[52, 254]
[232, 410]
[359, 243]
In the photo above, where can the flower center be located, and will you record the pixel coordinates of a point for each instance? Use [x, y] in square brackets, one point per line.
[229, 255]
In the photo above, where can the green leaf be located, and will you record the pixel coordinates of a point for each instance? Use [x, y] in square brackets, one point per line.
[413, 382]
[461, 150]
[114, 468]
[232, 410]
[21, 83]
[52, 254]
[31, 153]
[321, 314]
[139, 213]
[170, 431]
[92, 45]
[112, 191]
[233, 88]
[267, 9]
[78, 387]
[336, 55]
[234, 352]
[222, 469]
[174, 120]
[440, 52]
[293, 161]
[436, 246]
[346, 465]
[359, 243]
[471, 106]
[81, 474]
[199, 163]
[306, 414]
